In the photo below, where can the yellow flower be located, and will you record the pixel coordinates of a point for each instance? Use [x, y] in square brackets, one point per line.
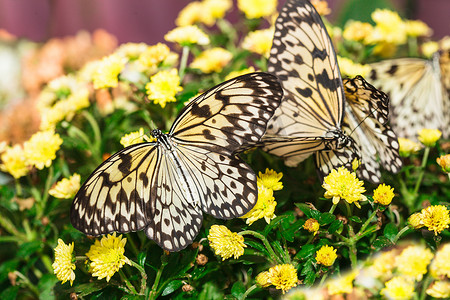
[187, 35]
[205, 12]
[216, 9]
[321, 6]
[429, 137]
[326, 255]
[413, 261]
[41, 148]
[131, 51]
[384, 49]
[234, 74]
[259, 41]
[408, 147]
[341, 183]
[264, 208]
[63, 265]
[436, 218]
[107, 72]
[154, 55]
[263, 279]
[342, 284]
[417, 28]
[107, 256]
[66, 188]
[383, 194]
[226, 243]
[415, 220]
[439, 289]
[357, 31]
[352, 69]
[212, 60]
[136, 137]
[429, 48]
[163, 87]
[398, 288]
[441, 262]
[389, 28]
[283, 277]
[312, 225]
[270, 179]
[14, 162]
[444, 162]
[383, 264]
[257, 8]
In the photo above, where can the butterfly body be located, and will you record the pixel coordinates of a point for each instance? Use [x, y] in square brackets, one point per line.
[162, 187]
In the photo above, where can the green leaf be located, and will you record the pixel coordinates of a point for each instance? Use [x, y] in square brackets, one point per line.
[304, 208]
[326, 218]
[85, 289]
[45, 286]
[305, 252]
[390, 231]
[335, 225]
[6, 267]
[172, 287]
[257, 245]
[238, 289]
[307, 268]
[274, 223]
[142, 257]
[355, 219]
[29, 248]
[310, 278]
[381, 242]
[10, 293]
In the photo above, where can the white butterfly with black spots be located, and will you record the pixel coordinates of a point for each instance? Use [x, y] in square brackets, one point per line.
[162, 187]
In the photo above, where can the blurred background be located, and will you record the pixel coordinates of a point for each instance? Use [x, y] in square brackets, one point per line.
[148, 20]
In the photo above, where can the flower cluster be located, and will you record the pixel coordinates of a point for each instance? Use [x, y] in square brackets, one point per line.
[283, 277]
[435, 218]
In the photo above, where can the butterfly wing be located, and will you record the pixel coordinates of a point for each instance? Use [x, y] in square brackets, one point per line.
[444, 63]
[303, 58]
[415, 91]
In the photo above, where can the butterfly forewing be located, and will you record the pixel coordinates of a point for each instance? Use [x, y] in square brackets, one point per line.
[163, 186]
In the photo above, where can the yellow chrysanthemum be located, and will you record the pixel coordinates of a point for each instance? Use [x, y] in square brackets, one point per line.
[14, 162]
[383, 49]
[41, 148]
[131, 51]
[415, 220]
[163, 87]
[429, 48]
[234, 74]
[321, 6]
[398, 288]
[187, 35]
[226, 243]
[383, 264]
[357, 31]
[264, 207]
[63, 265]
[436, 218]
[417, 28]
[107, 256]
[444, 162]
[263, 279]
[206, 12]
[407, 147]
[352, 69]
[383, 194]
[136, 137]
[439, 289]
[212, 60]
[259, 41]
[216, 9]
[389, 28]
[270, 179]
[257, 8]
[312, 225]
[154, 55]
[107, 73]
[326, 255]
[342, 183]
[342, 284]
[440, 266]
[283, 277]
[413, 261]
[429, 137]
[66, 188]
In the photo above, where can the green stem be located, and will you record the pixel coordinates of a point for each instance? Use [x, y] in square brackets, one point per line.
[47, 263]
[18, 187]
[155, 290]
[333, 207]
[40, 208]
[426, 283]
[422, 172]
[127, 282]
[273, 256]
[352, 253]
[322, 280]
[400, 233]
[247, 292]
[143, 276]
[97, 134]
[183, 62]
[11, 228]
[28, 283]
[361, 231]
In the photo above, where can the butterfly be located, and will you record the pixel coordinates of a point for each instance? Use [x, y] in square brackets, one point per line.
[310, 119]
[162, 187]
[419, 90]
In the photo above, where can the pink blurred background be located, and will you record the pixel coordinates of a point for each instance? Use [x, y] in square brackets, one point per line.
[147, 20]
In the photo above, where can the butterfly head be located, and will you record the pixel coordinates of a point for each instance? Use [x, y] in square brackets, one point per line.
[156, 133]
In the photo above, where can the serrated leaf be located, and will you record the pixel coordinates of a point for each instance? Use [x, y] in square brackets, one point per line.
[381, 242]
[334, 226]
[307, 268]
[172, 287]
[310, 278]
[355, 219]
[85, 289]
[390, 231]
[257, 245]
[274, 223]
[238, 289]
[305, 252]
[304, 208]
[326, 218]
